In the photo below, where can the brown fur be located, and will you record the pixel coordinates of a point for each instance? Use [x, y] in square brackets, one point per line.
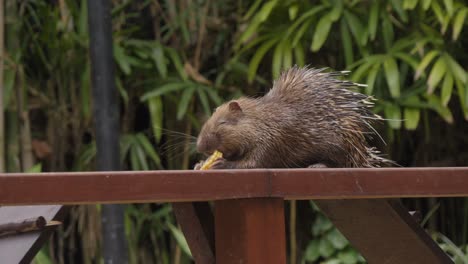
[308, 117]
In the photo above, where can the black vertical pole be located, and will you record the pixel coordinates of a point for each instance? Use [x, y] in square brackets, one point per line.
[106, 117]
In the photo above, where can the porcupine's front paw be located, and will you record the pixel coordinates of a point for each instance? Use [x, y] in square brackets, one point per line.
[199, 165]
[222, 164]
[317, 166]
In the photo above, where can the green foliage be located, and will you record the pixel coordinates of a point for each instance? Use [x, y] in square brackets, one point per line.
[384, 43]
[328, 244]
[177, 60]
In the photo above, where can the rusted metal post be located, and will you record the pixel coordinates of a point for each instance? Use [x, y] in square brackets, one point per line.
[250, 231]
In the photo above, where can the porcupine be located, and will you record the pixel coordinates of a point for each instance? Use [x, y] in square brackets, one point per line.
[309, 117]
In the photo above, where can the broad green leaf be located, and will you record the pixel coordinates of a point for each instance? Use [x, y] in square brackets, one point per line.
[287, 55]
[122, 59]
[444, 112]
[393, 115]
[410, 4]
[155, 105]
[392, 76]
[141, 156]
[321, 32]
[258, 56]
[425, 62]
[356, 28]
[455, 68]
[312, 251]
[149, 149]
[260, 17]
[300, 32]
[348, 256]
[179, 237]
[299, 55]
[411, 116]
[387, 32]
[449, 7]
[458, 23]
[436, 75]
[336, 12]
[373, 19]
[86, 92]
[292, 11]
[426, 4]
[397, 5]
[158, 56]
[371, 78]
[177, 63]
[407, 58]
[438, 11]
[447, 88]
[164, 89]
[204, 101]
[35, 168]
[337, 239]
[213, 94]
[347, 43]
[277, 59]
[254, 7]
[306, 15]
[326, 248]
[134, 158]
[463, 97]
[321, 225]
[184, 102]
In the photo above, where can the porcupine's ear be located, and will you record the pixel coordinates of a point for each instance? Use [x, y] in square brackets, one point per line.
[234, 107]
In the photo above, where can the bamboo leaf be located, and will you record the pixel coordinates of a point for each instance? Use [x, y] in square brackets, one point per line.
[336, 12]
[425, 62]
[299, 55]
[449, 7]
[259, 54]
[412, 116]
[397, 5]
[300, 32]
[158, 57]
[164, 89]
[122, 59]
[180, 239]
[392, 76]
[393, 114]
[204, 101]
[277, 59]
[184, 102]
[387, 31]
[356, 28]
[347, 43]
[436, 75]
[371, 78]
[155, 105]
[260, 17]
[212, 93]
[455, 68]
[447, 88]
[458, 23]
[146, 145]
[177, 63]
[426, 4]
[287, 55]
[373, 19]
[292, 11]
[321, 32]
[410, 4]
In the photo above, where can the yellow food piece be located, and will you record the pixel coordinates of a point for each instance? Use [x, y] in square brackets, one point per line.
[211, 159]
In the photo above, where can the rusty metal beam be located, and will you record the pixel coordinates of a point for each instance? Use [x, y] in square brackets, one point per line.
[173, 186]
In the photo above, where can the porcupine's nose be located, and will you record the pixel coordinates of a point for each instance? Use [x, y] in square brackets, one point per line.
[203, 144]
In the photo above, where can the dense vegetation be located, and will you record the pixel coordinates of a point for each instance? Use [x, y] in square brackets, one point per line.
[177, 60]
